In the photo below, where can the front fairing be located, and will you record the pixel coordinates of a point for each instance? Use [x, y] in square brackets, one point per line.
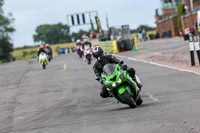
[113, 80]
[117, 78]
[87, 51]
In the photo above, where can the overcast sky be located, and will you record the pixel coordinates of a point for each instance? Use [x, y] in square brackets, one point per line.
[29, 14]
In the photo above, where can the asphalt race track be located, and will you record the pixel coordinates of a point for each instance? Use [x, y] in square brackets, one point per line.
[33, 100]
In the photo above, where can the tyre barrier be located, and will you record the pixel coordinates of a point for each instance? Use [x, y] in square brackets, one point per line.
[66, 50]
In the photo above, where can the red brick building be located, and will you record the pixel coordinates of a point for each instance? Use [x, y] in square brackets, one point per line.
[168, 21]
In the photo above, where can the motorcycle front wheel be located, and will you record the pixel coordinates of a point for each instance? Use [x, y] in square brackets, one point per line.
[128, 99]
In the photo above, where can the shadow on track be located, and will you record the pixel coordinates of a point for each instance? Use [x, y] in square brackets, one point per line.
[144, 105]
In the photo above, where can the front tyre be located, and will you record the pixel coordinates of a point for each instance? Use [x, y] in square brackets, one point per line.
[128, 99]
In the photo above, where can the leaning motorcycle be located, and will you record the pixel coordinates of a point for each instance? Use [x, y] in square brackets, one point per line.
[120, 85]
[49, 52]
[87, 54]
[79, 50]
[43, 59]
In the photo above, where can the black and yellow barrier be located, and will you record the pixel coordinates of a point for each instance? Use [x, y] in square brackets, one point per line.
[66, 50]
[109, 46]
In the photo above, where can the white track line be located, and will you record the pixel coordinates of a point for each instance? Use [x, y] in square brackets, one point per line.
[183, 70]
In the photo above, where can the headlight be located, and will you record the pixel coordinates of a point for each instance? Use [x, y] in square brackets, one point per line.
[113, 84]
[119, 80]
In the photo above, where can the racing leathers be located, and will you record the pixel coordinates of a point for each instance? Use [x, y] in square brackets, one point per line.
[98, 70]
[41, 51]
[86, 44]
[48, 50]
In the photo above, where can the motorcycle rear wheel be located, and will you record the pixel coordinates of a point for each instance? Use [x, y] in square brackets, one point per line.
[128, 99]
[139, 100]
[80, 55]
[44, 66]
[89, 59]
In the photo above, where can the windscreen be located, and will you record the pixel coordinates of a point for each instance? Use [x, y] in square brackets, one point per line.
[109, 69]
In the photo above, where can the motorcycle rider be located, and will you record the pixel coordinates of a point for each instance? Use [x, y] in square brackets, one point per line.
[78, 42]
[79, 47]
[47, 46]
[105, 59]
[40, 50]
[86, 43]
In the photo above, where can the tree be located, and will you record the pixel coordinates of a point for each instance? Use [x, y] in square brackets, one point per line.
[55, 33]
[6, 29]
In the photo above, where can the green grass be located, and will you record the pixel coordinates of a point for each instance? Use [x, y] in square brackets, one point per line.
[32, 52]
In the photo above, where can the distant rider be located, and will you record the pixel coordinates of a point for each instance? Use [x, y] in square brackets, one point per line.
[79, 43]
[86, 43]
[47, 46]
[105, 59]
[41, 50]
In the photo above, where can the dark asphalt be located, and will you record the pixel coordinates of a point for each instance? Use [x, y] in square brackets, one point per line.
[55, 100]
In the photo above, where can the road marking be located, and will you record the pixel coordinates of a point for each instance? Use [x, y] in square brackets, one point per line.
[151, 97]
[183, 70]
[65, 66]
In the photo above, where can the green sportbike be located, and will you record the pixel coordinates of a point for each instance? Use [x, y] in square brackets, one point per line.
[120, 85]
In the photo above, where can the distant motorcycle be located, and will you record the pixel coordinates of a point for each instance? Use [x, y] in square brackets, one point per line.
[43, 59]
[79, 50]
[87, 52]
[120, 85]
[49, 52]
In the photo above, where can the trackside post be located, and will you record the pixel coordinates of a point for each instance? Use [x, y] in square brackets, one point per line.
[191, 45]
[196, 44]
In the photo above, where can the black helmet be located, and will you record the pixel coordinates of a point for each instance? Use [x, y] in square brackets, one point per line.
[97, 52]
